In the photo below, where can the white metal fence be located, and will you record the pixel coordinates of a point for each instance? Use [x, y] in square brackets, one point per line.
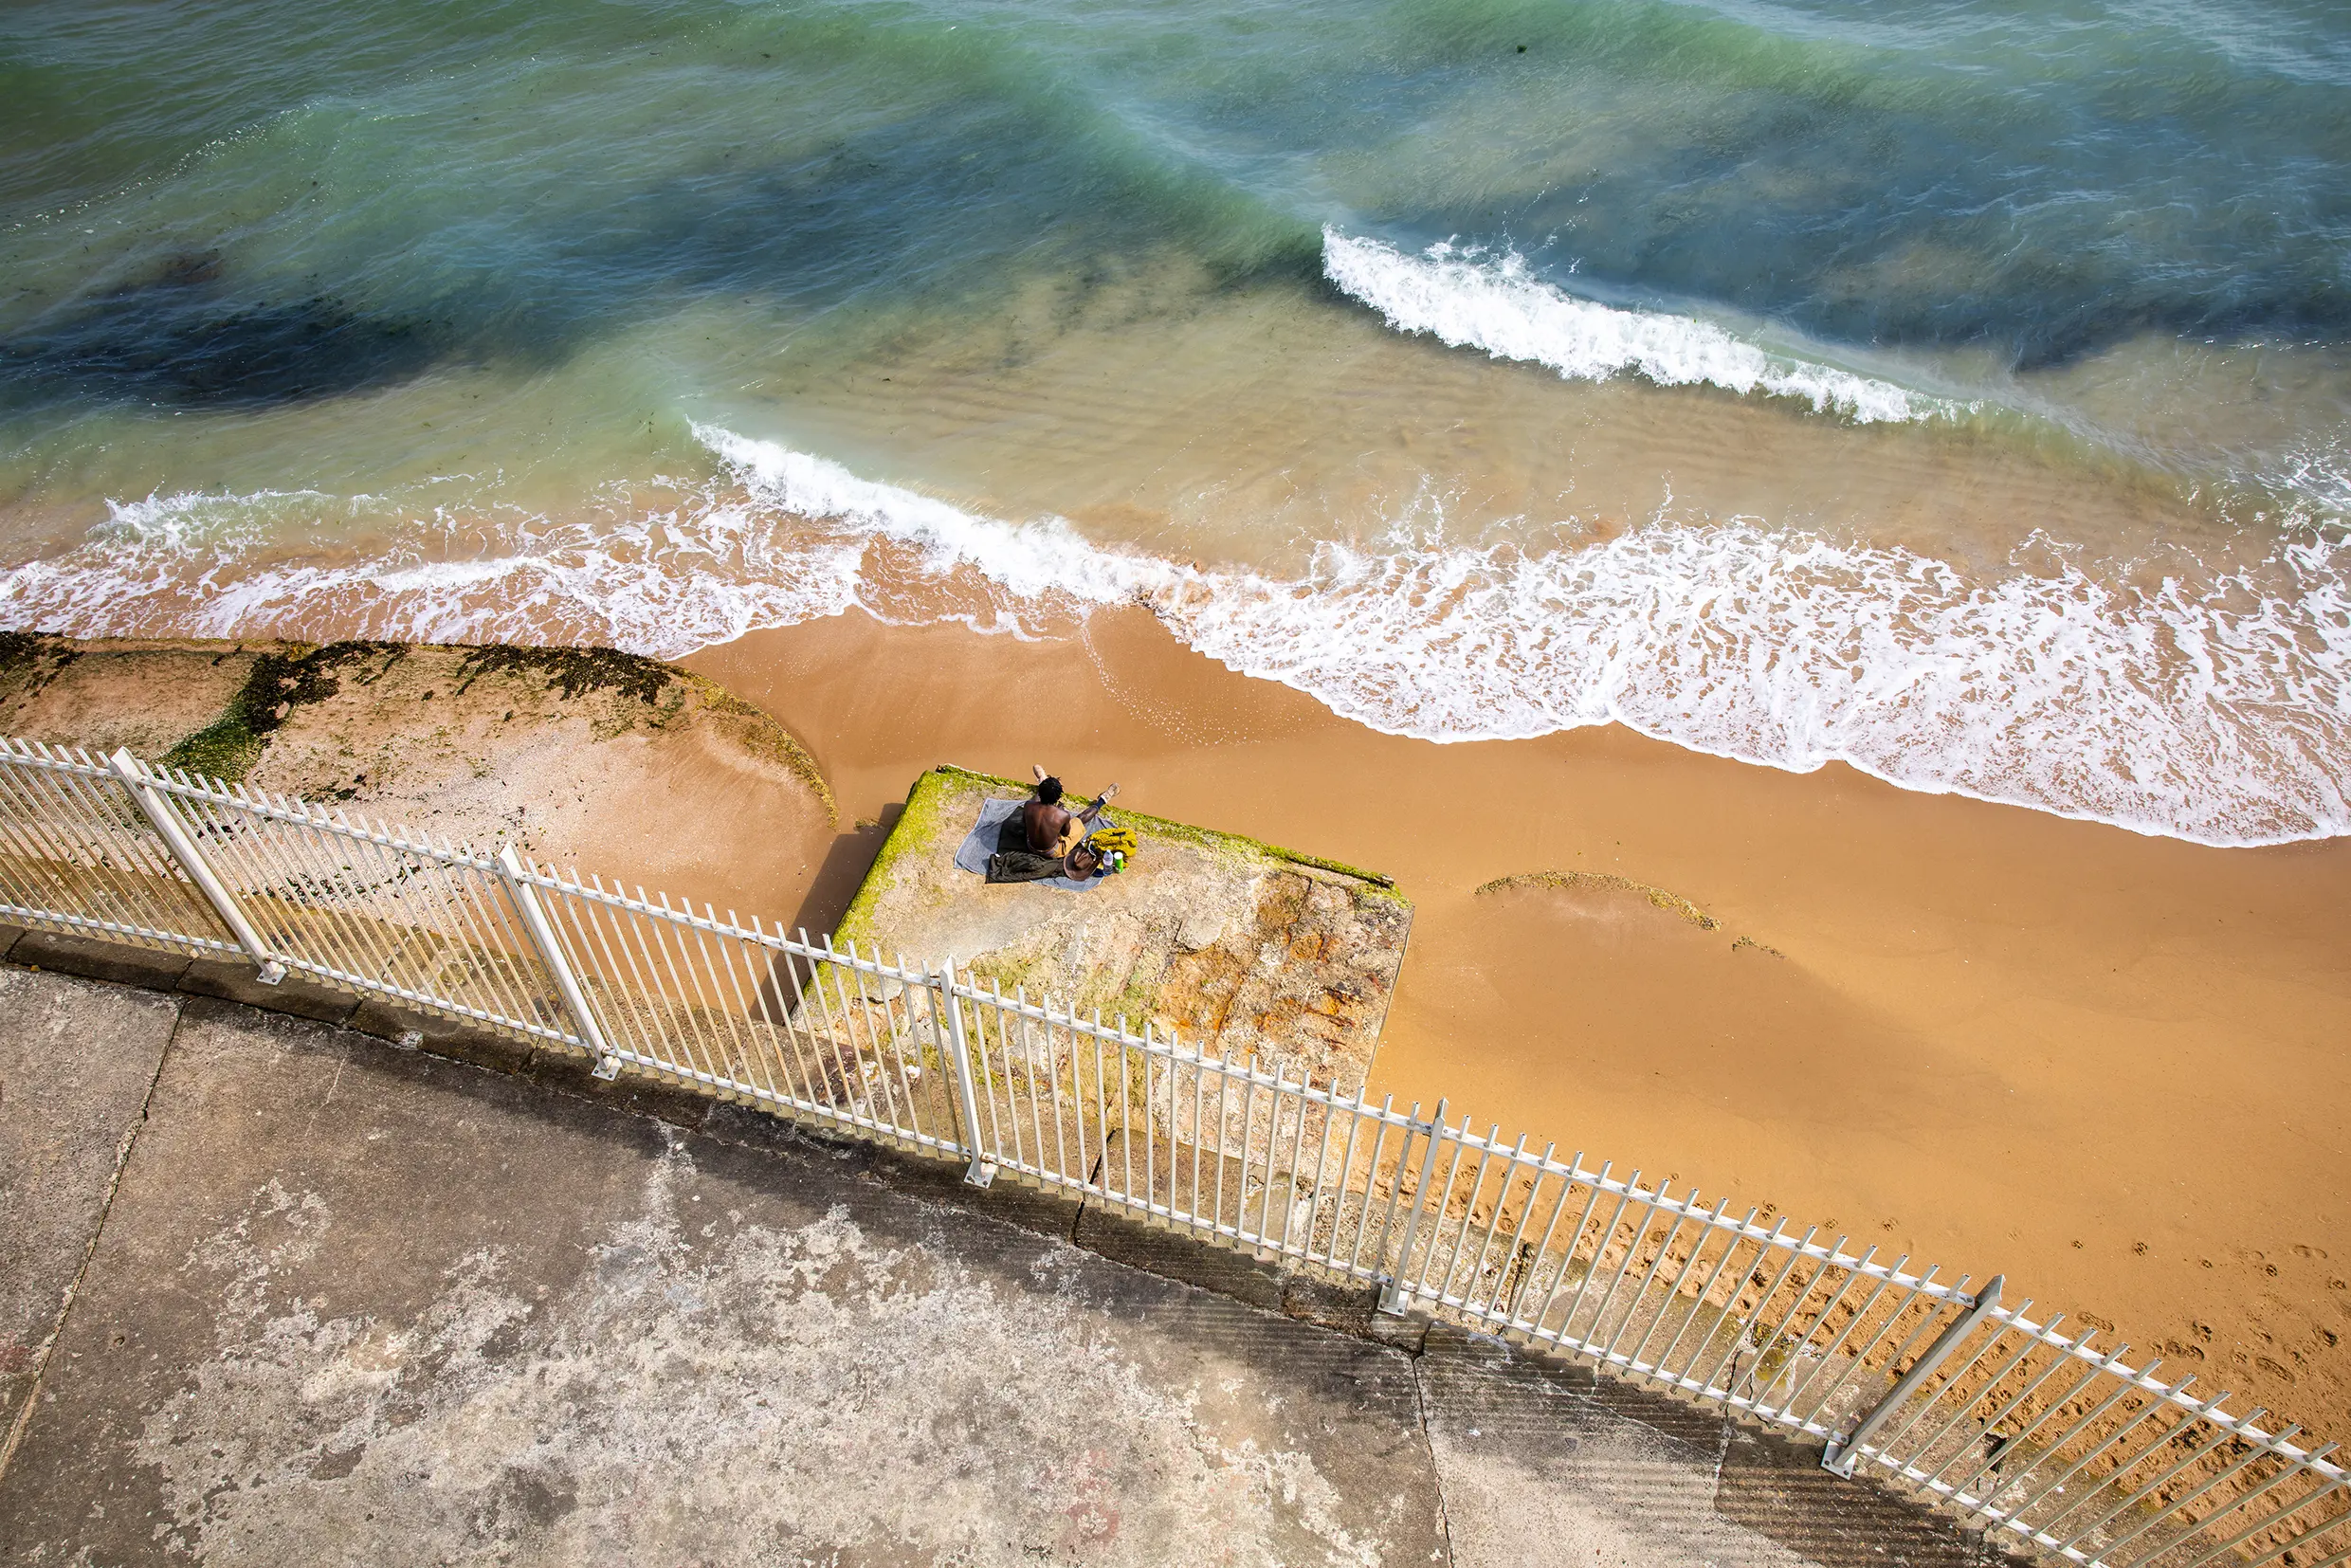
[1948, 1392]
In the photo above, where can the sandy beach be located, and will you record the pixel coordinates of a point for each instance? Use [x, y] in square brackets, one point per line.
[1977, 1036]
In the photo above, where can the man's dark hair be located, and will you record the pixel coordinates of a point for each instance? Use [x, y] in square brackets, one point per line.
[1050, 791]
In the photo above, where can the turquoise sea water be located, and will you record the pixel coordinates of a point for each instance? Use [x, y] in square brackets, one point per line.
[1957, 389]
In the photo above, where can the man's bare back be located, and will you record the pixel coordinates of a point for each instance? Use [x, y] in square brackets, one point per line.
[1049, 827]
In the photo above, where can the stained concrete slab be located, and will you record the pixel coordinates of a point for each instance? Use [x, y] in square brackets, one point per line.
[236, 980]
[95, 958]
[1781, 1491]
[77, 1059]
[1549, 1463]
[354, 1304]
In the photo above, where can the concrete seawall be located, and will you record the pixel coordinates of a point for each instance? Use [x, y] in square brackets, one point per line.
[279, 1291]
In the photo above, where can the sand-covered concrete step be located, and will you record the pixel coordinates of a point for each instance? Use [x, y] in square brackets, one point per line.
[578, 756]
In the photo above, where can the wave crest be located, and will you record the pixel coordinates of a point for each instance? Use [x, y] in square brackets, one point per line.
[1470, 299]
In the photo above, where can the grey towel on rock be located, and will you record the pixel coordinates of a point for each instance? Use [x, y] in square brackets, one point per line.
[985, 836]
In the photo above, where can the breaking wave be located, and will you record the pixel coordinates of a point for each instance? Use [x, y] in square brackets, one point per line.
[1470, 298]
[2208, 706]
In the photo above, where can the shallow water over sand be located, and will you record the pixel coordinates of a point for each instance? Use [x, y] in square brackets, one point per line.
[1783, 382]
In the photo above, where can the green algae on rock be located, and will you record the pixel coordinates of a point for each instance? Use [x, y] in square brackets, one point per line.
[275, 684]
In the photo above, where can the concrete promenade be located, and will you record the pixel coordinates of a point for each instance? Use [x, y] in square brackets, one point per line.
[275, 1291]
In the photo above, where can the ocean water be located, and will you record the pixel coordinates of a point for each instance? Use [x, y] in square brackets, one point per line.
[1961, 389]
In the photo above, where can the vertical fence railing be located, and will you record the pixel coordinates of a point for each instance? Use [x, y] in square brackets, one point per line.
[1950, 1395]
[76, 853]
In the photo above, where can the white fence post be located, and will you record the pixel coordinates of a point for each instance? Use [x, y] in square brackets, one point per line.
[981, 1170]
[133, 773]
[1393, 1296]
[558, 962]
[1840, 1458]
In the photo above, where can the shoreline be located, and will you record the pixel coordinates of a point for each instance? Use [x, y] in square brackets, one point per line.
[1970, 1034]
[2168, 672]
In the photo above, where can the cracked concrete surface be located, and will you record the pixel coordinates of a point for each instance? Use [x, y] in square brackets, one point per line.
[354, 1304]
[76, 1062]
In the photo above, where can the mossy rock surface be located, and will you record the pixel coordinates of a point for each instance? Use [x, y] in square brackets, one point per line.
[1235, 945]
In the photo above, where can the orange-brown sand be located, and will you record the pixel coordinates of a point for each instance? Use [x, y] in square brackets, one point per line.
[2106, 1065]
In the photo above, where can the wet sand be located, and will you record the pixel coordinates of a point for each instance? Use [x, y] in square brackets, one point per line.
[2106, 1065]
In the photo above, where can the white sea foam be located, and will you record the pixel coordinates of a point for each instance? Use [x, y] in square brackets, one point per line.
[2215, 708]
[662, 581]
[1472, 299]
[2218, 712]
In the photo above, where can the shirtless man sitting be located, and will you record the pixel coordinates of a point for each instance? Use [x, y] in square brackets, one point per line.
[1051, 828]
